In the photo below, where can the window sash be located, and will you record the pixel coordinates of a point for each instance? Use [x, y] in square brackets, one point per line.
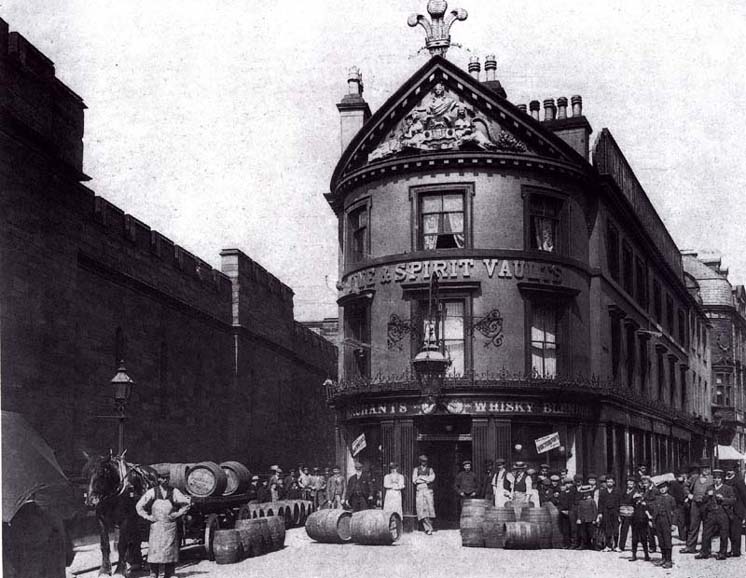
[451, 330]
[544, 345]
[442, 221]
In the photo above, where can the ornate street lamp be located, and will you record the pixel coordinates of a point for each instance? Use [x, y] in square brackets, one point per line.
[123, 385]
[431, 363]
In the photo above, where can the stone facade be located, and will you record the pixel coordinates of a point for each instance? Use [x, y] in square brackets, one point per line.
[561, 299]
[222, 368]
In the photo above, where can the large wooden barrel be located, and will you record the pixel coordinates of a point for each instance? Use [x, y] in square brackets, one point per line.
[472, 516]
[178, 473]
[276, 525]
[493, 525]
[543, 520]
[227, 547]
[332, 526]
[206, 479]
[375, 527]
[238, 478]
[554, 514]
[521, 536]
[252, 538]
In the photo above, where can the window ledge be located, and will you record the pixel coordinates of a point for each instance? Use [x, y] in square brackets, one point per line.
[544, 290]
[366, 294]
[443, 285]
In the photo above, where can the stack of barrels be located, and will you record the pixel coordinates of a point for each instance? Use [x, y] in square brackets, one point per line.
[368, 527]
[208, 479]
[527, 528]
[251, 537]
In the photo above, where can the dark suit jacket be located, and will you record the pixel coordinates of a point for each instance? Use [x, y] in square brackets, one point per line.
[359, 486]
[739, 488]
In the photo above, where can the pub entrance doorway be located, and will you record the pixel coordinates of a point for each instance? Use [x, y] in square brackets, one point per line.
[445, 454]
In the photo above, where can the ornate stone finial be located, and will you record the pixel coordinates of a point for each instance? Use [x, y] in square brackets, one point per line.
[437, 32]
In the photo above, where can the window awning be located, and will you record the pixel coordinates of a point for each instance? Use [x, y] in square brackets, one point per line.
[729, 453]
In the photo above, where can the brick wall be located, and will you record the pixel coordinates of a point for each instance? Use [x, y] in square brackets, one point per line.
[222, 369]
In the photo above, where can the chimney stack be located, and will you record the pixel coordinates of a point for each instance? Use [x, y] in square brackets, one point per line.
[549, 109]
[577, 105]
[533, 106]
[523, 108]
[490, 68]
[474, 67]
[561, 108]
[353, 110]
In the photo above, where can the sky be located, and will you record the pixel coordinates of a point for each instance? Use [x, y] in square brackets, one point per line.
[214, 122]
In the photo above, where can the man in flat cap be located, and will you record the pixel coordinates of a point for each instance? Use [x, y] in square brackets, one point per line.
[696, 486]
[335, 488]
[502, 481]
[609, 500]
[465, 484]
[718, 507]
[423, 478]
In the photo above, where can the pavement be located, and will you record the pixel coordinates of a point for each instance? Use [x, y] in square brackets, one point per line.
[438, 556]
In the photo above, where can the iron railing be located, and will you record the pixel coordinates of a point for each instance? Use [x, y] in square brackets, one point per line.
[508, 381]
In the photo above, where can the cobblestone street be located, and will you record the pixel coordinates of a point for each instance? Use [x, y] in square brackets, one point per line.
[440, 556]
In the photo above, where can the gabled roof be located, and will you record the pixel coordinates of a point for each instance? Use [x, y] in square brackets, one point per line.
[491, 108]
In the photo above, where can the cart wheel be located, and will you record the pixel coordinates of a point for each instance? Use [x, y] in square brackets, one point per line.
[244, 512]
[212, 525]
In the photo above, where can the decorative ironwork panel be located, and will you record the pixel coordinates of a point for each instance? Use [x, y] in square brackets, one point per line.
[491, 327]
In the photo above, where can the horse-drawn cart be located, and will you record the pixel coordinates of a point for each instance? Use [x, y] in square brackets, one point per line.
[207, 515]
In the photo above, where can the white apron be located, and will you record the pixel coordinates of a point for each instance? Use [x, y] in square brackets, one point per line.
[163, 545]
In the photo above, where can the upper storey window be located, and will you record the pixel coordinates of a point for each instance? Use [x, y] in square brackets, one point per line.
[357, 227]
[544, 222]
[442, 221]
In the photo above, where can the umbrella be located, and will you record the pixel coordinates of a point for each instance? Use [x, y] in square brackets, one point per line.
[31, 472]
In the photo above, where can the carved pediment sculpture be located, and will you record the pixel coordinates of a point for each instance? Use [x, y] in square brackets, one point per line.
[441, 122]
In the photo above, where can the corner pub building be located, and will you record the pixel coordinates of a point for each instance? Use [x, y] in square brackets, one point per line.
[561, 298]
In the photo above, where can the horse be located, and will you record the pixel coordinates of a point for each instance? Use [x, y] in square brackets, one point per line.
[114, 487]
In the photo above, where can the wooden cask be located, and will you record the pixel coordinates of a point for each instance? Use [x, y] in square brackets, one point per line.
[375, 527]
[252, 537]
[543, 520]
[276, 525]
[521, 536]
[331, 526]
[470, 523]
[206, 479]
[178, 476]
[227, 547]
[493, 526]
[238, 478]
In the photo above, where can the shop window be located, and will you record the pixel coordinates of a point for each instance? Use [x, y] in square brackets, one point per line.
[441, 221]
[358, 235]
[643, 363]
[612, 251]
[616, 345]
[657, 301]
[545, 229]
[449, 327]
[627, 272]
[631, 357]
[545, 324]
[641, 277]
[661, 371]
[357, 341]
[669, 314]
[682, 328]
[672, 378]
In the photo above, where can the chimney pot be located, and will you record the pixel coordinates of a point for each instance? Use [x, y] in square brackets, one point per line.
[355, 81]
[474, 67]
[549, 109]
[577, 105]
[534, 106]
[562, 107]
[523, 108]
[490, 67]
